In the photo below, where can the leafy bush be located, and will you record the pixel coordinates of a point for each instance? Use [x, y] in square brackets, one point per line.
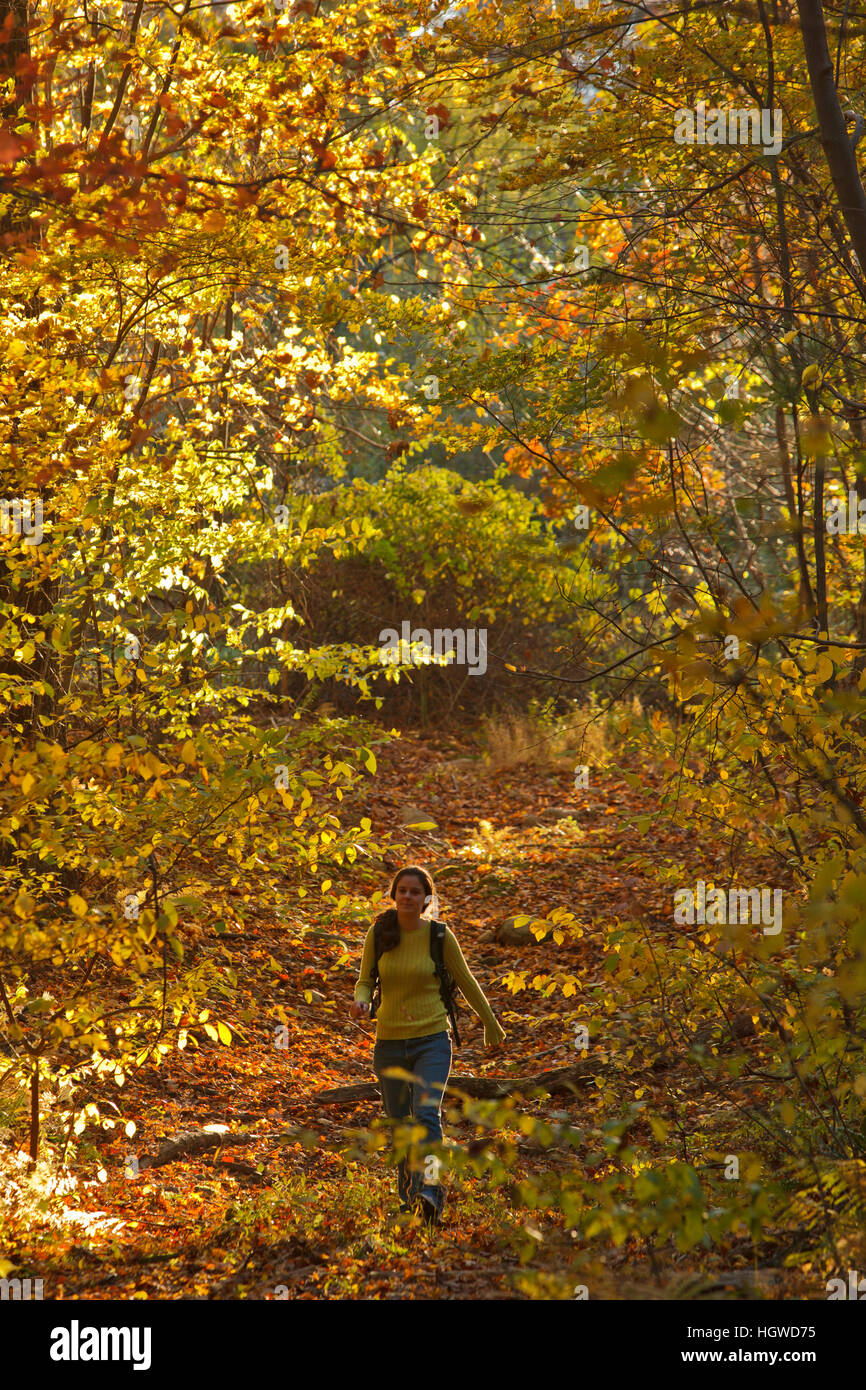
[437, 552]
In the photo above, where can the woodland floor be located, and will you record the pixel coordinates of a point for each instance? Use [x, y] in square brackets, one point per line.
[268, 1217]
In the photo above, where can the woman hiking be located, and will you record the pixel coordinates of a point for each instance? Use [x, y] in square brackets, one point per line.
[412, 1020]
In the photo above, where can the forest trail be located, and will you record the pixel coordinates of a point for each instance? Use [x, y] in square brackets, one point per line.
[265, 1213]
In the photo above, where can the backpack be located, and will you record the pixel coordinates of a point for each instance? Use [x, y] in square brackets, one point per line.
[447, 987]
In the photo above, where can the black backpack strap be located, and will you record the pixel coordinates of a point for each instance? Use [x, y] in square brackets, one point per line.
[446, 983]
[437, 943]
[376, 991]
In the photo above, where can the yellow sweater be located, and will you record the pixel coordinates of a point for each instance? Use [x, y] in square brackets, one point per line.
[411, 1004]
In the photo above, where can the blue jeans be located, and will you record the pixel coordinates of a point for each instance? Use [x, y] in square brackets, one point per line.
[428, 1059]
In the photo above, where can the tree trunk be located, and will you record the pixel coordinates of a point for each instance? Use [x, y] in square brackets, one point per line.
[34, 1112]
[838, 147]
[556, 1081]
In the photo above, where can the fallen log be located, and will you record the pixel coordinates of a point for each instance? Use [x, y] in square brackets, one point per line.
[188, 1143]
[556, 1081]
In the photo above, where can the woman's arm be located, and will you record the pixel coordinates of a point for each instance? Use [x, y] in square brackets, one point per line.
[364, 985]
[471, 989]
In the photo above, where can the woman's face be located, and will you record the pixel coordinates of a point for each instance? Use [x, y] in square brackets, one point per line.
[409, 894]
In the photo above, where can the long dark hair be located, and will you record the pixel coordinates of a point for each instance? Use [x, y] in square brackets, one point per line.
[387, 925]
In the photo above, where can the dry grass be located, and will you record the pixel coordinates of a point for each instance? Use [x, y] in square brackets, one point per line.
[584, 735]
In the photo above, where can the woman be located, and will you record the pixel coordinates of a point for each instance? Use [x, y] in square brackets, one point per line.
[412, 1022]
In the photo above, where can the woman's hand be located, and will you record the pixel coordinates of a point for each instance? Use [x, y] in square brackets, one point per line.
[359, 1010]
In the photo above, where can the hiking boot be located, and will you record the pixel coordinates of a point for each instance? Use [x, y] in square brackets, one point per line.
[428, 1209]
[407, 1186]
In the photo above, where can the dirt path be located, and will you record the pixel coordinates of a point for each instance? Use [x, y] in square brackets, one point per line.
[277, 1213]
